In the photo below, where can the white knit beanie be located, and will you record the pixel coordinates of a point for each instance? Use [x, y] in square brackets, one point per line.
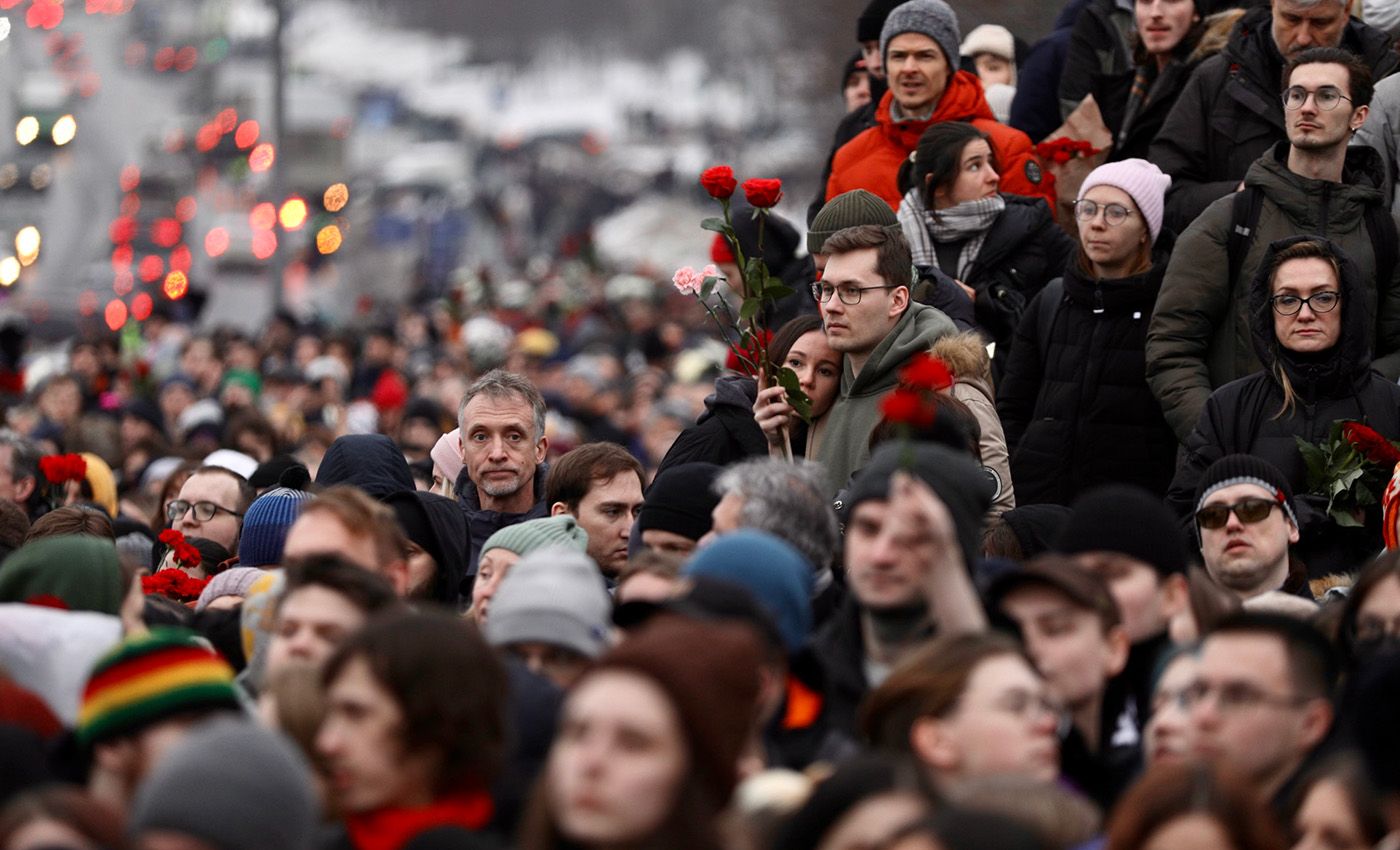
[990, 38]
[1144, 182]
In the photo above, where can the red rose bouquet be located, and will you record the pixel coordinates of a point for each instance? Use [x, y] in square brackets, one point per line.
[60, 469]
[173, 584]
[1350, 469]
[186, 555]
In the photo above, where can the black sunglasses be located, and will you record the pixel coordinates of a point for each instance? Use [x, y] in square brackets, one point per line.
[1249, 511]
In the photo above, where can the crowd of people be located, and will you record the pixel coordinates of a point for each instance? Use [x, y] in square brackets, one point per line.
[1072, 527]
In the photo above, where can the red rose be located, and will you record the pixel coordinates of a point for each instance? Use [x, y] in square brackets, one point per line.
[1370, 444]
[762, 192]
[719, 182]
[907, 407]
[925, 372]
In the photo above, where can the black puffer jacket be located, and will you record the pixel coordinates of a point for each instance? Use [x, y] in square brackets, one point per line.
[1242, 417]
[1097, 45]
[725, 432]
[1230, 112]
[1024, 250]
[1075, 405]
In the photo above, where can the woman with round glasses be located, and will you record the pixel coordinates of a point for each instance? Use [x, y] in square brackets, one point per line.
[1074, 401]
[1311, 330]
[1001, 248]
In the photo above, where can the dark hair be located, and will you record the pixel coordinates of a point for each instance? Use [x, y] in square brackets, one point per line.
[893, 262]
[1347, 769]
[1385, 566]
[69, 805]
[246, 493]
[954, 425]
[999, 540]
[1312, 663]
[937, 160]
[254, 423]
[927, 683]
[447, 683]
[1360, 83]
[1170, 791]
[170, 490]
[367, 591]
[1210, 603]
[212, 554]
[72, 519]
[573, 475]
[788, 335]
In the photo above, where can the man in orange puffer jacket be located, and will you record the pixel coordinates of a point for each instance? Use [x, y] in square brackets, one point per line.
[919, 44]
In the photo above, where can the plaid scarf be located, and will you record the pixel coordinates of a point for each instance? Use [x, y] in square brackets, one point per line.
[970, 221]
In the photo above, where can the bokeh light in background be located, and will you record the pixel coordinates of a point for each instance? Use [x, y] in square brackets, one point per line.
[328, 239]
[264, 244]
[247, 134]
[129, 178]
[115, 314]
[27, 130]
[64, 129]
[293, 214]
[336, 197]
[185, 209]
[9, 271]
[180, 259]
[123, 282]
[141, 307]
[262, 157]
[150, 268]
[216, 242]
[263, 216]
[176, 285]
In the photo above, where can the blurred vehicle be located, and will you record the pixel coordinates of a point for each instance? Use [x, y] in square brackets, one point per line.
[44, 102]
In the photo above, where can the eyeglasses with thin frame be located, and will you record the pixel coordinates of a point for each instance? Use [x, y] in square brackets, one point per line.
[1028, 705]
[1319, 302]
[849, 295]
[1114, 214]
[1234, 696]
[1326, 98]
[1249, 511]
[203, 511]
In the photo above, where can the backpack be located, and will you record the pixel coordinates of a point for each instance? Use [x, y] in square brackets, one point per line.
[1248, 203]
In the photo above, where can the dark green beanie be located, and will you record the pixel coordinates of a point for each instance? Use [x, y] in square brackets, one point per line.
[78, 571]
[848, 209]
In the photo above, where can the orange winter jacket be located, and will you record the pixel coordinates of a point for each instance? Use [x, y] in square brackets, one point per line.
[871, 160]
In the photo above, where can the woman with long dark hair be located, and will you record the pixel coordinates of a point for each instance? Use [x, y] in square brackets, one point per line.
[1002, 248]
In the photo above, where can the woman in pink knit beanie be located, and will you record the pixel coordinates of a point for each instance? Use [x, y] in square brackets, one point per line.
[1074, 400]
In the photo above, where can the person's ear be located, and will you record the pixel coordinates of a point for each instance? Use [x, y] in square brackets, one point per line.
[1315, 723]
[933, 745]
[541, 449]
[24, 488]
[397, 573]
[1292, 532]
[559, 508]
[1358, 117]
[1117, 656]
[1175, 595]
[899, 299]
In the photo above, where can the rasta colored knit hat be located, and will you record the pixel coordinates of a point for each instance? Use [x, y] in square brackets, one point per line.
[774, 573]
[265, 526]
[554, 596]
[710, 672]
[848, 209]
[148, 678]
[525, 537]
[1126, 520]
[872, 20]
[680, 500]
[1144, 182]
[220, 784]
[1246, 469]
[932, 18]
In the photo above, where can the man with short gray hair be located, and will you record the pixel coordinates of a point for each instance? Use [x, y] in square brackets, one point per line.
[19, 471]
[784, 499]
[503, 445]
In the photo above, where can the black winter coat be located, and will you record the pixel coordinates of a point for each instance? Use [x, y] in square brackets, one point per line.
[1035, 110]
[1112, 92]
[725, 432]
[1098, 45]
[1075, 405]
[1242, 417]
[1230, 113]
[1024, 250]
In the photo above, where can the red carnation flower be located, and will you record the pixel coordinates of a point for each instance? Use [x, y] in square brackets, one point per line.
[719, 182]
[171, 537]
[60, 468]
[926, 372]
[763, 192]
[1371, 445]
[907, 407]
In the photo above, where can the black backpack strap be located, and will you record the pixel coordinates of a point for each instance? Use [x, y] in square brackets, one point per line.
[1050, 298]
[1244, 218]
[1380, 227]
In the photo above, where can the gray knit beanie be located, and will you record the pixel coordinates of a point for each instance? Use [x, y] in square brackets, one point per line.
[220, 784]
[525, 537]
[848, 209]
[932, 18]
[554, 596]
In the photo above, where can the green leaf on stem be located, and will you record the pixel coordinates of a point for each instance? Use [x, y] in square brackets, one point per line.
[801, 404]
[708, 287]
[750, 308]
[777, 290]
[717, 224]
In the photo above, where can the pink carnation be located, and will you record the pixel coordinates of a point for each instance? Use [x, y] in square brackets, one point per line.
[688, 281]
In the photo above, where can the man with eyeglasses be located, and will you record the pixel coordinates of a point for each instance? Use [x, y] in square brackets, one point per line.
[869, 318]
[1230, 112]
[1245, 523]
[211, 505]
[1261, 701]
[1315, 182]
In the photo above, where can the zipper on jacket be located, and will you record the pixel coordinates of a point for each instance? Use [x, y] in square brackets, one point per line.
[1098, 299]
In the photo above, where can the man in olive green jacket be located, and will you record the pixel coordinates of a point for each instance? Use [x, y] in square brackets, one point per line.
[869, 318]
[1199, 338]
